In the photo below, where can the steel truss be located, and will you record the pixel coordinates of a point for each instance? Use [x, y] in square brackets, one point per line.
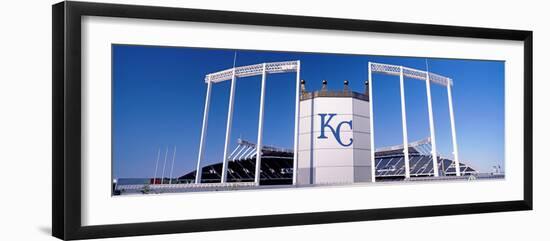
[252, 70]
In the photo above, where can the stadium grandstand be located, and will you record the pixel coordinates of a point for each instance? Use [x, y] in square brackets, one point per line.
[277, 164]
[390, 162]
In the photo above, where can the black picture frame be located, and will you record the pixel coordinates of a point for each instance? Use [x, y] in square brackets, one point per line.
[67, 135]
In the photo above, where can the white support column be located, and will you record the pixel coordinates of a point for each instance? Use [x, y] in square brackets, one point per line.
[260, 130]
[241, 149]
[404, 122]
[296, 125]
[203, 132]
[371, 118]
[432, 128]
[247, 150]
[453, 130]
[228, 127]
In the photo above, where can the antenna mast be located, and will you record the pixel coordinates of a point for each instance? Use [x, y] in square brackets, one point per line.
[172, 168]
[156, 167]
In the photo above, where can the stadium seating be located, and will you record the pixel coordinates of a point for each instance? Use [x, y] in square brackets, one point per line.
[277, 166]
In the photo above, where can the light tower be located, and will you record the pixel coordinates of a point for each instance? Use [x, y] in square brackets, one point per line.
[403, 72]
[232, 75]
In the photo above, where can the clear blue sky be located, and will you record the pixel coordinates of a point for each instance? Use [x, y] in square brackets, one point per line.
[159, 92]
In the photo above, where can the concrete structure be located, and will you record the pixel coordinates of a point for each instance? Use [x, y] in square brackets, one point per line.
[334, 137]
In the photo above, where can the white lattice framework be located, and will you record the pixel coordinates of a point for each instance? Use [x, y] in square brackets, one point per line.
[395, 70]
[420, 146]
[232, 75]
[402, 72]
[247, 150]
[252, 70]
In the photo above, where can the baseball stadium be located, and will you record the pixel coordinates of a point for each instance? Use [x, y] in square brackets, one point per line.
[333, 140]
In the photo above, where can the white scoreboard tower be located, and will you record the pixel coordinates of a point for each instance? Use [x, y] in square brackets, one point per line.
[334, 137]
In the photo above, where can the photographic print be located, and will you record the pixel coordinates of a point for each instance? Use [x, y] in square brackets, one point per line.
[206, 120]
